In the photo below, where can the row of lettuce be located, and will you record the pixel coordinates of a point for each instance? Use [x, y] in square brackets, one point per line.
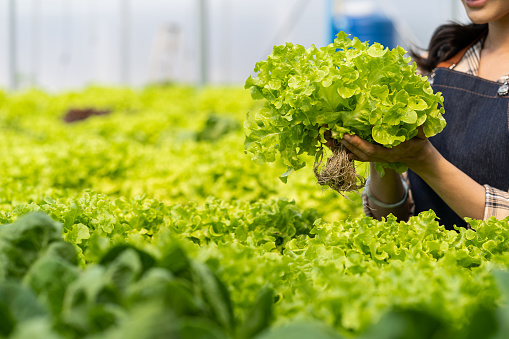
[175, 144]
[241, 270]
[151, 222]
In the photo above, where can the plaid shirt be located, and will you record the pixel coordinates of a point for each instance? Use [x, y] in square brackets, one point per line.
[497, 201]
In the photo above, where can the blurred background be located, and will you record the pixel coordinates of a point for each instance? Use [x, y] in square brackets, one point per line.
[69, 44]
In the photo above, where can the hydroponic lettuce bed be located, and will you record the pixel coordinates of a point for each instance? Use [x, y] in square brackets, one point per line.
[149, 221]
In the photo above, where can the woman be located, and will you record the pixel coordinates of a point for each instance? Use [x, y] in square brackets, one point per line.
[464, 170]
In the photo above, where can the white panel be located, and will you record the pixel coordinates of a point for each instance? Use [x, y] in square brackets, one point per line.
[73, 43]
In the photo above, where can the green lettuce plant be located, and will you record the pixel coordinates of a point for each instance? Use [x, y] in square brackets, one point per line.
[345, 87]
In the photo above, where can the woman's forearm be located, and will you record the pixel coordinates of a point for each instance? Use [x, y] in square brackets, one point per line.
[388, 189]
[464, 195]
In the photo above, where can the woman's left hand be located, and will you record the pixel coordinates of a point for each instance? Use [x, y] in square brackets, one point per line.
[464, 195]
[412, 153]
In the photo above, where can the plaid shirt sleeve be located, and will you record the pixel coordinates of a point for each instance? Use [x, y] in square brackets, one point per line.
[367, 209]
[497, 203]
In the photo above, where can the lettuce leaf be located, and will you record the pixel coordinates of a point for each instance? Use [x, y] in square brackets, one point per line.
[347, 86]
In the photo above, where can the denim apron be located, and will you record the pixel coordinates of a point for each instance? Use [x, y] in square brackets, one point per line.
[475, 139]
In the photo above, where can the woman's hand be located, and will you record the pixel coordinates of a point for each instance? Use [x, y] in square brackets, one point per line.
[333, 144]
[412, 153]
[464, 195]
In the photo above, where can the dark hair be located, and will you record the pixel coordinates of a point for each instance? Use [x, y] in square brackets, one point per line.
[447, 40]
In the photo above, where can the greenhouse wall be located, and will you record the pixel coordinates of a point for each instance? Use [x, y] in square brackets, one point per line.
[70, 43]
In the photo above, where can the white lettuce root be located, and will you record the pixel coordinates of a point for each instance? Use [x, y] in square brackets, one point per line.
[338, 172]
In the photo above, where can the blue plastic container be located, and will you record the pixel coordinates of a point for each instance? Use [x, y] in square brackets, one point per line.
[373, 28]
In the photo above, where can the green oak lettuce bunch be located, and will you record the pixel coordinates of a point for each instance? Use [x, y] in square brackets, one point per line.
[348, 86]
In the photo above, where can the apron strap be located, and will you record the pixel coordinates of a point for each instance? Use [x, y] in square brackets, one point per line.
[457, 57]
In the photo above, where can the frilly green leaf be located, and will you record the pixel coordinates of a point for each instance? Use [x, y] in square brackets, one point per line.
[350, 86]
